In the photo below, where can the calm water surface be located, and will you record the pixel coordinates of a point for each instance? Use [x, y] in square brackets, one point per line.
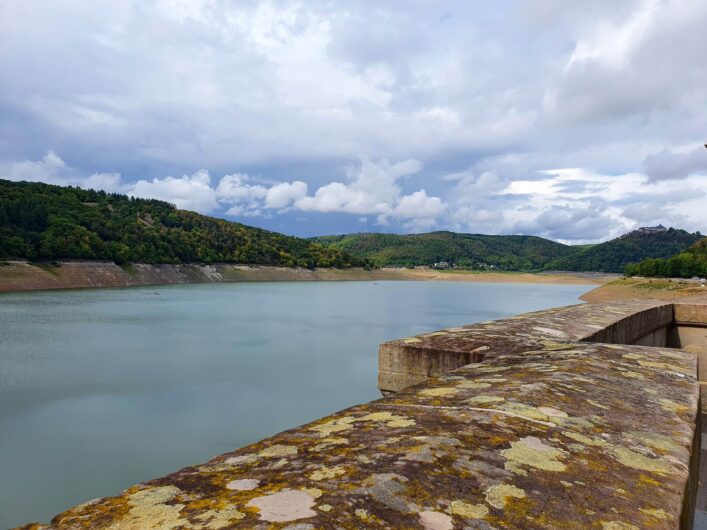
[100, 389]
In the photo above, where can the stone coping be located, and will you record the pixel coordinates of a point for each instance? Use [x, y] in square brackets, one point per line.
[544, 432]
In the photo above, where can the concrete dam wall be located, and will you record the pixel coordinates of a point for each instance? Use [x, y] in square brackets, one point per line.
[580, 417]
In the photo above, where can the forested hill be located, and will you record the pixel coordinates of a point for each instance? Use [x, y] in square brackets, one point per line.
[614, 255]
[464, 250]
[692, 262]
[45, 222]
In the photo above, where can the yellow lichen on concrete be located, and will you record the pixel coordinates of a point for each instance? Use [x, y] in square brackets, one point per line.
[336, 425]
[662, 366]
[481, 399]
[525, 411]
[217, 519]
[438, 392]
[326, 473]
[468, 511]
[278, 450]
[391, 420]
[496, 495]
[532, 452]
[472, 385]
[617, 525]
[672, 406]
[147, 510]
[637, 461]
[586, 440]
[662, 515]
[655, 441]
[314, 492]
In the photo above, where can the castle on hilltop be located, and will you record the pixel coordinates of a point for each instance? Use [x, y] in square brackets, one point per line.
[652, 229]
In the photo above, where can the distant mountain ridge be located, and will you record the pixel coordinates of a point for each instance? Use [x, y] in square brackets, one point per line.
[476, 251]
[512, 252]
[614, 255]
[45, 222]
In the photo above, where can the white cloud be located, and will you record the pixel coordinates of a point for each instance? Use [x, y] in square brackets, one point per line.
[235, 188]
[419, 205]
[283, 194]
[574, 205]
[673, 165]
[374, 188]
[191, 192]
[110, 182]
[50, 169]
[613, 43]
[420, 210]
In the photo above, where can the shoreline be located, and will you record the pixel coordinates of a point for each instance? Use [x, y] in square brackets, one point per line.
[640, 288]
[20, 275]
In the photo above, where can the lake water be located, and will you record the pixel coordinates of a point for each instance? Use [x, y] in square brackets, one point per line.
[100, 389]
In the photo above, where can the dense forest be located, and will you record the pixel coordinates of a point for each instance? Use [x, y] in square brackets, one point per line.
[45, 222]
[471, 251]
[692, 262]
[614, 255]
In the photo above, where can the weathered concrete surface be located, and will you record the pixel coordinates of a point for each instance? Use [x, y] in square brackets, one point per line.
[412, 360]
[544, 433]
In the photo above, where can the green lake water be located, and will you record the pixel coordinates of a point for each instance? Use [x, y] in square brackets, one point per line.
[100, 389]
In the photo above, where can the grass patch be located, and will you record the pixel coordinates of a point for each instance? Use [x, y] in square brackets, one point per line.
[50, 268]
[128, 268]
[651, 284]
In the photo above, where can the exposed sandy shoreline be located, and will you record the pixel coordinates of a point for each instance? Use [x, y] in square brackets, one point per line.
[24, 276]
[507, 277]
[631, 288]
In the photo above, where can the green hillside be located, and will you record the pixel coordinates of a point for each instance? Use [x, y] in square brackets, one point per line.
[44, 222]
[614, 255]
[692, 262]
[465, 250]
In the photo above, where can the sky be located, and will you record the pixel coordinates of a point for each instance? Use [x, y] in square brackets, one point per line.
[575, 121]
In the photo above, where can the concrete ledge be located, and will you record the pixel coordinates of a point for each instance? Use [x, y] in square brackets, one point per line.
[545, 432]
[406, 361]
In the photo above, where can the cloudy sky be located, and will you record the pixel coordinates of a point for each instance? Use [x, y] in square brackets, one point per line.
[576, 121]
